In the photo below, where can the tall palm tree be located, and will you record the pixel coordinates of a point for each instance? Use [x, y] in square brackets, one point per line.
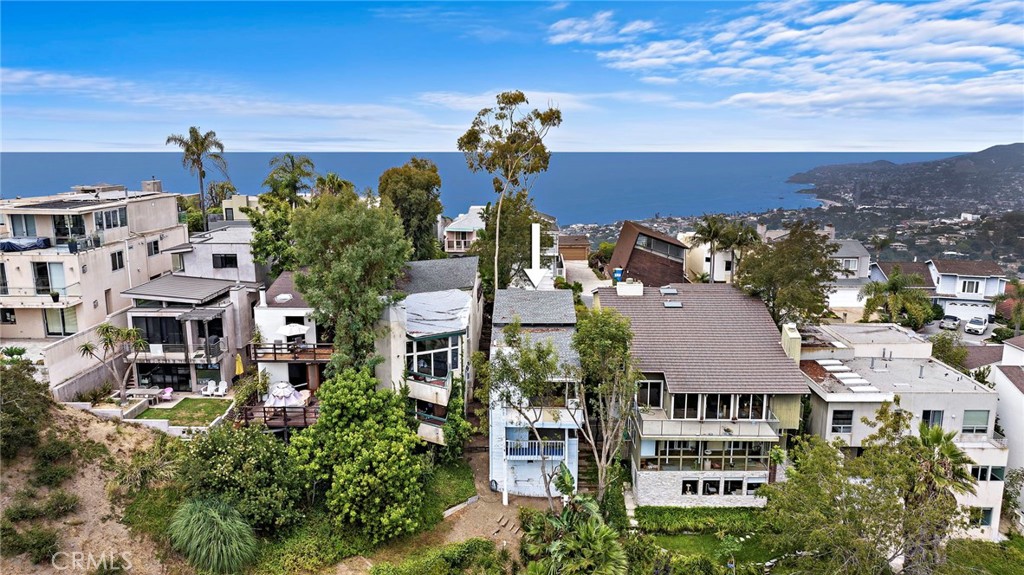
[942, 473]
[289, 177]
[331, 184]
[709, 229]
[896, 297]
[198, 149]
[1015, 293]
[738, 238]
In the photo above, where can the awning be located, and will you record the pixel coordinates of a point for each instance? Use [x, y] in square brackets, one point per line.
[201, 314]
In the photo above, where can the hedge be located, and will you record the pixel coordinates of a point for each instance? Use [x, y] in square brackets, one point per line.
[448, 560]
[673, 520]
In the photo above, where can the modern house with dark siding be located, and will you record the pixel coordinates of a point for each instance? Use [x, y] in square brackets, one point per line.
[648, 256]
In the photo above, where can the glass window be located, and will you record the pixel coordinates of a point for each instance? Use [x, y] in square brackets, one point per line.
[3, 279]
[717, 406]
[733, 487]
[153, 247]
[981, 517]
[23, 226]
[997, 474]
[753, 485]
[7, 316]
[842, 421]
[117, 260]
[979, 472]
[685, 405]
[712, 486]
[68, 226]
[432, 358]
[850, 264]
[60, 321]
[229, 214]
[749, 406]
[932, 417]
[221, 261]
[975, 421]
[690, 486]
[160, 330]
[648, 393]
[970, 286]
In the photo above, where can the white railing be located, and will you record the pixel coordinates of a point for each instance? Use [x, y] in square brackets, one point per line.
[533, 449]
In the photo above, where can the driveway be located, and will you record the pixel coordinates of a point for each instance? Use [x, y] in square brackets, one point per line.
[579, 271]
[968, 338]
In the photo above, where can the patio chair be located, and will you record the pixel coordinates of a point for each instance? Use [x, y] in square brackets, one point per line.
[222, 389]
[210, 389]
[166, 394]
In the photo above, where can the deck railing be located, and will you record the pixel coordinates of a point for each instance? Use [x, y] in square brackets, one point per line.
[276, 417]
[457, 245]
[430, 418]
[533, 449]
[291, 351]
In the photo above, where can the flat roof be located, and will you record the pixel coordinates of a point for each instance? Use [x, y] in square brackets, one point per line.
[869, 333]
[228, 235]
[897, 376]
[180, 288]
[76, 201]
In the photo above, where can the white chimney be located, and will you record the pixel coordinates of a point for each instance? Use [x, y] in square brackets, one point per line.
[263, 298]
[153, 185]
[629, 288]
[535, 253]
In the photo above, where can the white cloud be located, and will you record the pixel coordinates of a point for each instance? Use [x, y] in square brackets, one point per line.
[601, 28]
[659, 80]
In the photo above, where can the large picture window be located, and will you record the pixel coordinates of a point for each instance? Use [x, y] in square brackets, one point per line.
[975, 421]
[110, 219]
[648, 393]
[433, 357]
[160, 330]
[685, 406]
[717, 406]
[23, 226]
[842, 421]
[60, 321]
[67, 227]
[750, 406]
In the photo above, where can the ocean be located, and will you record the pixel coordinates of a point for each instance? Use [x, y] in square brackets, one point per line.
[577, 188]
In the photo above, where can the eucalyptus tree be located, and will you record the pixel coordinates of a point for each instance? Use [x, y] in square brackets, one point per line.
[198, 149]
[508, 142]
[414, 190]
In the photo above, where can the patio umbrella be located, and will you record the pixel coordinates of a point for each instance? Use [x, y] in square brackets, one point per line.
[282, 394]
[292, 329]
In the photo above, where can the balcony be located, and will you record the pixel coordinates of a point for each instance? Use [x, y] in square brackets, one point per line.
[457, 246]
[40, 296]
[209, 352]
[656, 423]
[291, 352]
[534, 449]
[993, 439]
[52, 244]
[431, 427]
[429, 388]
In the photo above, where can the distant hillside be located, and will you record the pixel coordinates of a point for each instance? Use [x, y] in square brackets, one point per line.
[989, 181]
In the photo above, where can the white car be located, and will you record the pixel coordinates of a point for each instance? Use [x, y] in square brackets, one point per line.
[949, 322]
[977, 326]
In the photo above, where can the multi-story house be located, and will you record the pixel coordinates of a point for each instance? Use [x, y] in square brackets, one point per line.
[966, 288]
[463, 230]
[855, 263]
[854, 368]
[647, 255]
[223, 253]
[197, 328]
[233, 204]
[430, 338]
[718, 392]
[518, 460]
[882, 271]
[65, 260]
[698, 261]
[1008, 378]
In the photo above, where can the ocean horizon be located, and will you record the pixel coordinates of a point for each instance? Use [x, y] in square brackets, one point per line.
[579, 187]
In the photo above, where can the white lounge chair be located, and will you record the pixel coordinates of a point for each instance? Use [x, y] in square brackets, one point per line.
[222, 389]
[210, 389]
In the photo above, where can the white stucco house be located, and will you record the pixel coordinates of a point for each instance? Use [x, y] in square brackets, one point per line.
[854, 368]
[698, 260]
[224, 253]
[518, 460]
[1008, 378]
[844, 299]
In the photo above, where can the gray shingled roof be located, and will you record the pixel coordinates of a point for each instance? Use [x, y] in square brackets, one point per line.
[439, 275]
[979, 355]
[1015, 374]
[969, 268]
[559, 337]
[720, 340]
[850, 249]
[533, 307]
[178, 288]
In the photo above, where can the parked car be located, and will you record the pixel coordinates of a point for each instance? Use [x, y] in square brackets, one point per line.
[949, 322]
[977, 326]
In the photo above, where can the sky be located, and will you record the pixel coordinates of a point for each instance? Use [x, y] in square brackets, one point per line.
[787, 75]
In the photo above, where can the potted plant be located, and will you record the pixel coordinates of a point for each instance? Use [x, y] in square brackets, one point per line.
[55, 296]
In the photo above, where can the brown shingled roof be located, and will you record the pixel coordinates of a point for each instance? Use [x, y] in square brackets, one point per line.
[1017, 342]
[574, 241]
[719, 340]
[627, 241]
[285, 284]
[968, 268]
[919, 268]
[1015, 374]
[979, 355]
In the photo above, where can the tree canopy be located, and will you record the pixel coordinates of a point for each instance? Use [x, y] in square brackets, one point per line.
[289, 177]
[197, 150]
[897, 300]
[349, 254]
[414, 189]
[518, 215]
[793, 275]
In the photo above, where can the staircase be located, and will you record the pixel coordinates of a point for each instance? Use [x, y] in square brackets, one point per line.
[486, 329]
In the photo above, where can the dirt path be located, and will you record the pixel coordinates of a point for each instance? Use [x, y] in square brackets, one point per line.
[480, 519]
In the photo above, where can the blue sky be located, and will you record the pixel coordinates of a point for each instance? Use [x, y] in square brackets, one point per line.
[788, 75]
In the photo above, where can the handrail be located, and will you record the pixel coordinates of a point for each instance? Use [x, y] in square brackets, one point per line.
[535, 449]
[427, 379]
[706, 427]
[43, 290]
[431, 419]
[297, 416]
[291, 351]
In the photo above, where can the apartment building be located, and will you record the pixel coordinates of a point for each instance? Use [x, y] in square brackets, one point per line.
[516, 455]
[66, 258]
[223, 253]
[718, 393]
[854, 368]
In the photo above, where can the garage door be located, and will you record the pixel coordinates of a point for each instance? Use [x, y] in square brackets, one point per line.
[966, 311]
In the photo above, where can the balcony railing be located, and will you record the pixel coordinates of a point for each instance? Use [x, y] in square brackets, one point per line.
[43, 290]
[457, 245]
[63, 244]
[198, 352]
[656, 423]
[292, 352]
[431, 419]
[429, 388]
[534, 449]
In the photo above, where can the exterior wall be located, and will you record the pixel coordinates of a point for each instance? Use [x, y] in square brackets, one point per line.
[965, 309]
[524, 477]
[665, 488]
[1011, 406]
[236, 202]
[29, 324]
[652, 269]
[844, 300]
[1012, 356]
[696, 260]
[199, 262]
[270, 319]
[62, 361]
[988, 494]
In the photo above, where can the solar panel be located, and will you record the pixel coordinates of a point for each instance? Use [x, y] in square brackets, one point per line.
[669, 291]
[835, 368]
[673, 304]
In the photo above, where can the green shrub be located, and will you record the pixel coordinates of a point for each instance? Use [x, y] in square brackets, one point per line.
[672, 520]
[54, 450]
[213, 536]
[1001, 334]
[695, 565]
[449, 560]
[96, 395]
[10, 539]
[247, 468]
[148, 511]
[24, 408]
[315, 543]
[39, 543]
[156, 464]
[51, 475]
[643, 554]
[22, 509]
[59, 504]
[613, 505]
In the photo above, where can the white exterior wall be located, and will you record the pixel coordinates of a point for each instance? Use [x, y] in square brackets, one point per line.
[988, 494]
[524, 477]
[1011, 406]
[199, 262]
[269, 320]
[1012, 356]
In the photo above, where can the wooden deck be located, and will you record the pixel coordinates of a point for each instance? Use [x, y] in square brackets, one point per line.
[305, 353]
[279, 417]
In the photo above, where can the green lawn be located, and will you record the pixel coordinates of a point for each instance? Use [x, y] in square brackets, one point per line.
[707, 544]
[189, 411]
[447, 486]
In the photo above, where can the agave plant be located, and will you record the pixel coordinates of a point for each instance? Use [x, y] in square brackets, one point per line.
[213, 536]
